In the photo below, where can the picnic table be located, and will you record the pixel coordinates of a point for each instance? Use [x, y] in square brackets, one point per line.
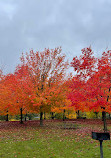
[69, 124]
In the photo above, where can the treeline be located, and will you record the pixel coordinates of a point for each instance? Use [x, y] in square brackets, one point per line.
[41, 84]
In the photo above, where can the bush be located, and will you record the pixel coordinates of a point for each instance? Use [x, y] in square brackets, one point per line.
[2, 117]
[58, 116]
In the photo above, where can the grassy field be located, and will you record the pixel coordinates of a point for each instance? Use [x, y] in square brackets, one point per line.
[51, 141]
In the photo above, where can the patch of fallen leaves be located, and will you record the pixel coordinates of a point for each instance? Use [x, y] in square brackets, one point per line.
[31, 129]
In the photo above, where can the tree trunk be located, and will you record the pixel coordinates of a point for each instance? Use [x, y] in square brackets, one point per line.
[64, 115]
[78, 114]
[104, 121]
[96, 113]
[26, 117]
[7, 118]
[52, 115]
[21, 118]
[41, 116]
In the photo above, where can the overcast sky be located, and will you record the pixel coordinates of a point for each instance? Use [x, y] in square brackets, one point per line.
[39, 24]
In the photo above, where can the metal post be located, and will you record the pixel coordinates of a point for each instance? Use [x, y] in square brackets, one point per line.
[101, 148]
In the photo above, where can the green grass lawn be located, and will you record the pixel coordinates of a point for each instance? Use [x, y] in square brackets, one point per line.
[51, 141]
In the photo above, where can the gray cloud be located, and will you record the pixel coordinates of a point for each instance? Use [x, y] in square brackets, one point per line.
[40, 24]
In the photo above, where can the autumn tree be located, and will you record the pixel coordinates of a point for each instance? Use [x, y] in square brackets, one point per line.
[84, 68]
[77, 95]
[84, 65]
[15, 97]
[59, 99]
[5, 98]
[45, 70]
[99, 86]
[96, 73]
